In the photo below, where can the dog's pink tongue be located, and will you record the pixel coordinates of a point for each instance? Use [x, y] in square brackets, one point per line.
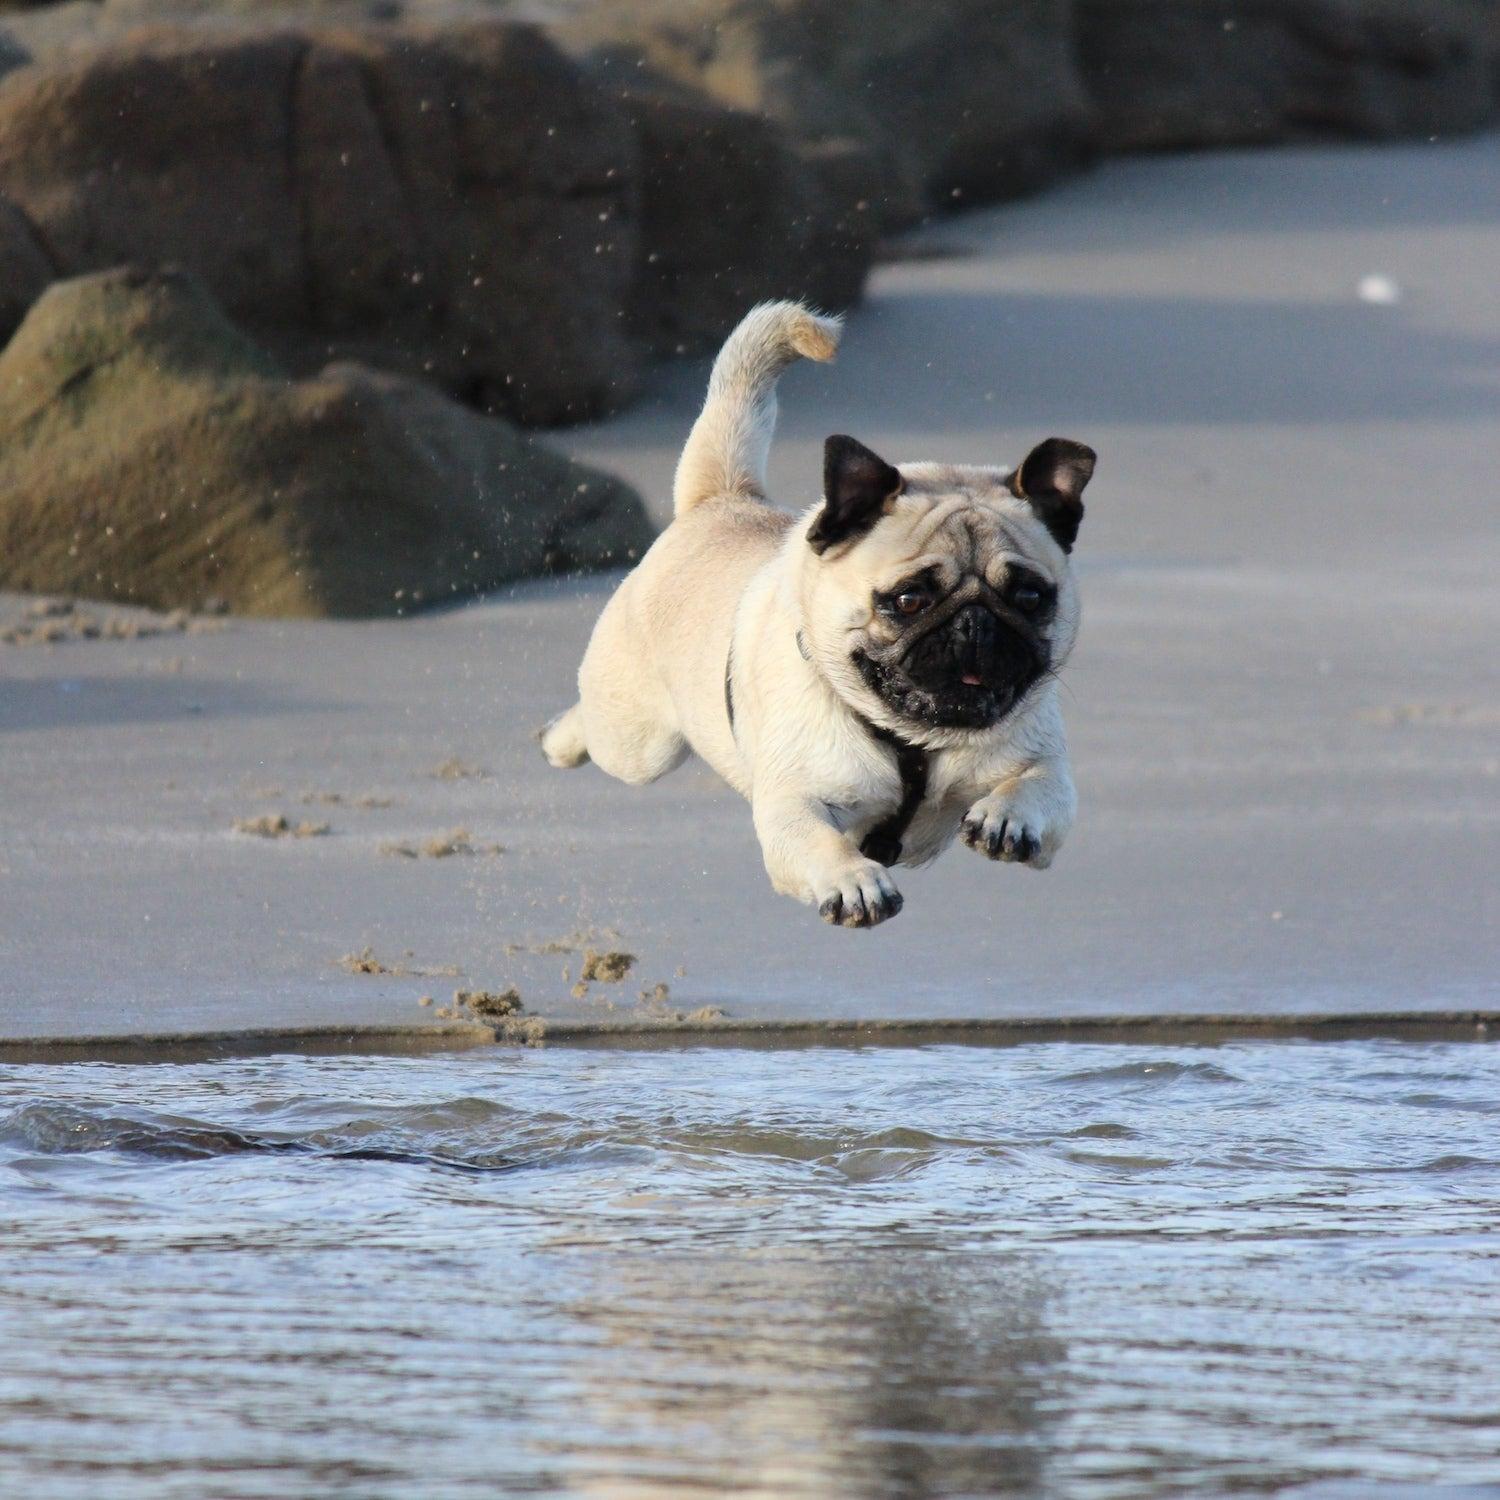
[972, 679]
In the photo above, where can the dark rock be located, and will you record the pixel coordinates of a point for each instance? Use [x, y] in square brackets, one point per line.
[452, 198]
[959, 101]
[457, 202]
[25, 267]
[155, 456]
[730, 215]
[1167, 73]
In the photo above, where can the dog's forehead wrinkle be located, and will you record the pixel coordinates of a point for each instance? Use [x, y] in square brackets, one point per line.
[973, 525]
[953, 536]
[965, 520]
[941, 564]
[940, 513]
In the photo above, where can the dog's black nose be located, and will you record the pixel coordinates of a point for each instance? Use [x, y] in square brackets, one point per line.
[973, 633]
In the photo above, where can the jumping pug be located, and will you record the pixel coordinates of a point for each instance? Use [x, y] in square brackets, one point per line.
[876, 674]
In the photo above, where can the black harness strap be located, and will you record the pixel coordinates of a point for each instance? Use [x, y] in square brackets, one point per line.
[883, 842]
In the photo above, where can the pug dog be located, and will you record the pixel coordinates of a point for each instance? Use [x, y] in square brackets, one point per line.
[876, 675]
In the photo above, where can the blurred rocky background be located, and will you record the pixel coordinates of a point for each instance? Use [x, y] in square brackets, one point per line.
[281, 277]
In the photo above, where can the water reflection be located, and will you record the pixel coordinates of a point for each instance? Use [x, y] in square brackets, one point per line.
[898, 1373]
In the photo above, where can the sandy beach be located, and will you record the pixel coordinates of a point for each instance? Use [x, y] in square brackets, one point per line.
[1284, 709]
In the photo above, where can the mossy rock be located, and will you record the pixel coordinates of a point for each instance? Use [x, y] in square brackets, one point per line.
[154, 455]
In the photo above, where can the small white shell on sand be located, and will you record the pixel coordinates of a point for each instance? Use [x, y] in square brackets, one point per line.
[1383, 291]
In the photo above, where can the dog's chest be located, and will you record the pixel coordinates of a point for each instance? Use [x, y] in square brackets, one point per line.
[879, 806]
[932, 829]
[937, 817]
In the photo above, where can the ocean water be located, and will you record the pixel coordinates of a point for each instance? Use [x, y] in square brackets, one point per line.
[1051, 1269]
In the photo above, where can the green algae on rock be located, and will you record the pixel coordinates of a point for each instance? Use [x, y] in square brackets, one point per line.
[153, 455]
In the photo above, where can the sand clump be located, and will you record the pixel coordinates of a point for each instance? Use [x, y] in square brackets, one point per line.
[367, 801]
[653, 1004]
[522, 1031]
[454, 769]
[607, 968]
[570, 942]
[365, 962]
[489, 1002]
[48, 622]
[278, 826]
[502, 1008]
[443, 846]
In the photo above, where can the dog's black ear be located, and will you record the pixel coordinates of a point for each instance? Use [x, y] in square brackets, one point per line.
[857, 484]
[1051, 478]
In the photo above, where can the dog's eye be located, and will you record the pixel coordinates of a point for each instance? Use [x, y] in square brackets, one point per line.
[1026, 599]
[911, 603]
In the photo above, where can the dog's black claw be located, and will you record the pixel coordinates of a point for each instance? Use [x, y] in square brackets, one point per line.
[862, 911]
[1019, 846]
[1012, 842]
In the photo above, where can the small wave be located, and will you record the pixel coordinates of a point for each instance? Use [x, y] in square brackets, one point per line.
[1113, 1163]
[1450, 1162]
[1104, 1130]
[794, 1145]
[61, 1129]
[1445, 1101]
[1154, 1073]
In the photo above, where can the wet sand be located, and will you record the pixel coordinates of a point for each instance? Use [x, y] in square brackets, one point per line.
[1285, 706]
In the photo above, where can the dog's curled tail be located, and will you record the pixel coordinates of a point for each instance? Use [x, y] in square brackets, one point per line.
[727, 448]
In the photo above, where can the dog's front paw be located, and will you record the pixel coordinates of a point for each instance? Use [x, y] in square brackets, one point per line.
[1002, 829]
[862, 895]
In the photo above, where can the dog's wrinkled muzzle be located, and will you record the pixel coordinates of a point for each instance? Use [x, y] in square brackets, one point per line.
[965, 662]
[976, 647]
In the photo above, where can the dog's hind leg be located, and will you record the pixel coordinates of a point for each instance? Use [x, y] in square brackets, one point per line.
[638, 753]
[628, 746]
[620, 734]
[562, 740]
[624, 738]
